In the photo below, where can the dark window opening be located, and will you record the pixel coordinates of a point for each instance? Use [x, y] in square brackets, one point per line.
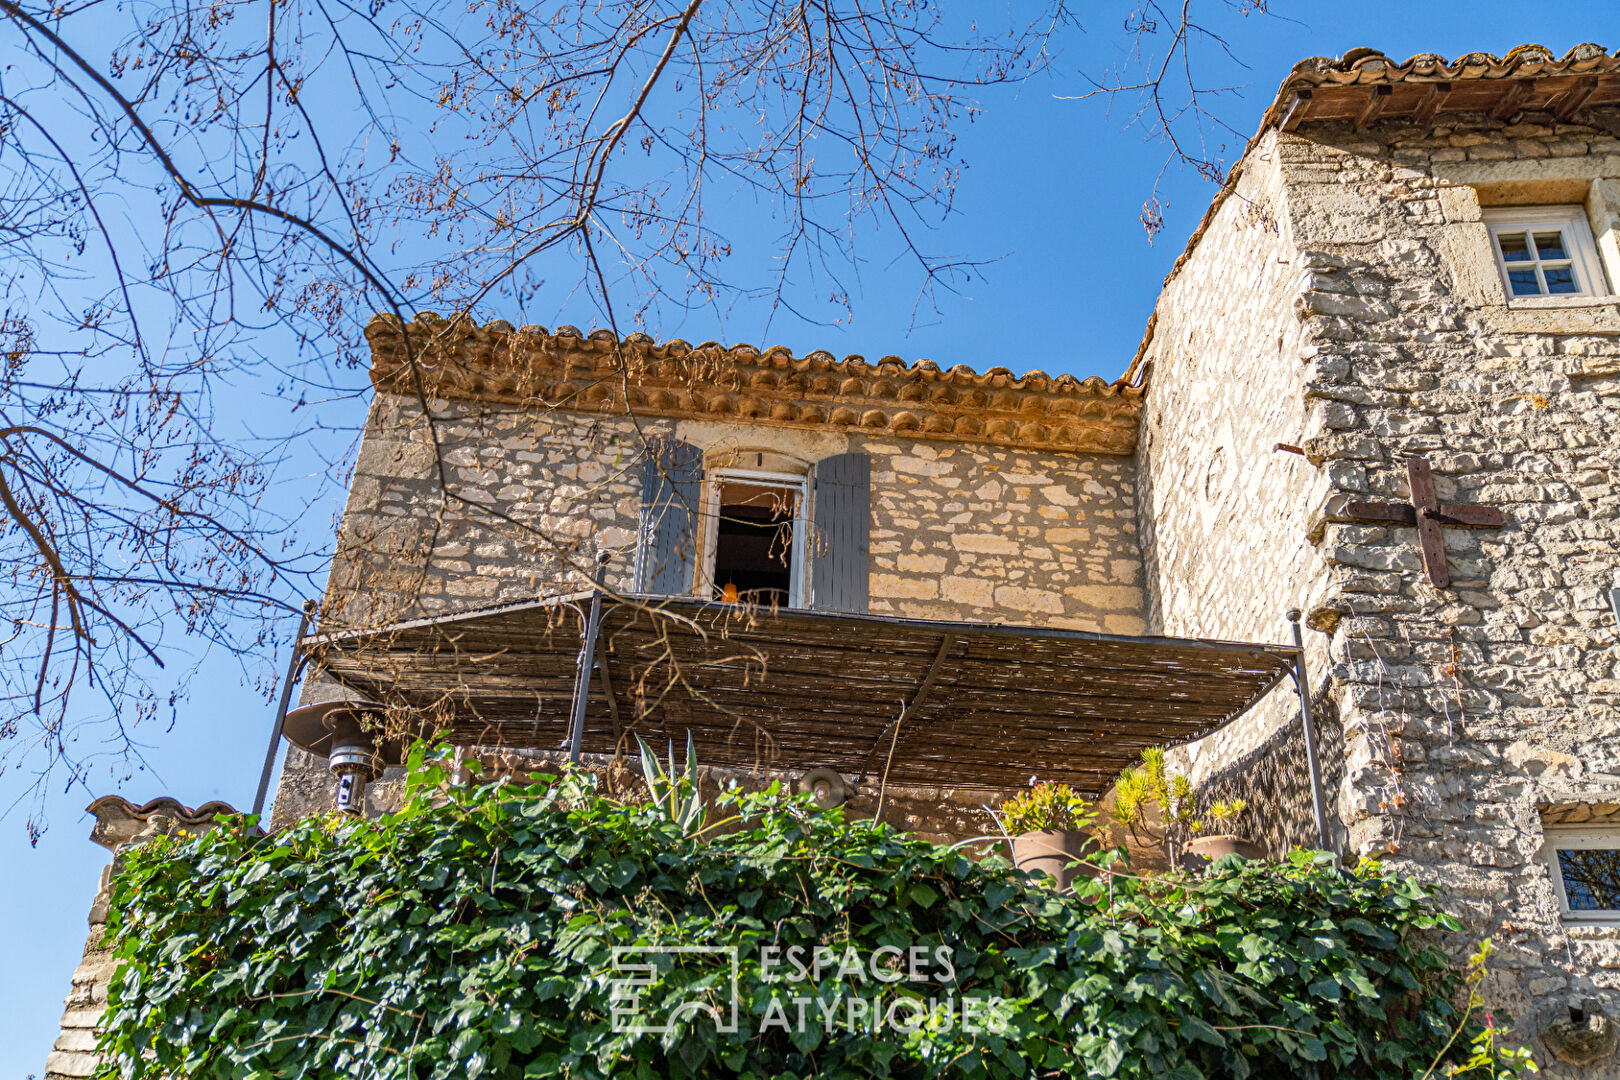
[753, 549]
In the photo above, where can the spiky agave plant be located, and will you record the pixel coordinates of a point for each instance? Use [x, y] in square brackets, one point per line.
[674, 794]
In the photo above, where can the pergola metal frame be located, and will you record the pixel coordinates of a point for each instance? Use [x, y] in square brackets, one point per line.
[596, 607]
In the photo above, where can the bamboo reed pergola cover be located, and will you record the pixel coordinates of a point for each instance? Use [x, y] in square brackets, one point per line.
[933, 703]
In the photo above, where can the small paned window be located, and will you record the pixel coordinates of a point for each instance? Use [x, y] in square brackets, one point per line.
[1545, 251]
[1585, 864]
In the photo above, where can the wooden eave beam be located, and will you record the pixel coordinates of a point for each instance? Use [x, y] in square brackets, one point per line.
[1377, 100]
[1297, 108]
[1432, 102]
[1574, 98]
[1512, 101]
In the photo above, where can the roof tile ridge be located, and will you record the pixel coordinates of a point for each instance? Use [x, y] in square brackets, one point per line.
[162, 803]
[568, 338]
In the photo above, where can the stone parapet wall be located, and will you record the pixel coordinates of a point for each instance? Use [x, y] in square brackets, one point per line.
[119, 826]
[74, 1053]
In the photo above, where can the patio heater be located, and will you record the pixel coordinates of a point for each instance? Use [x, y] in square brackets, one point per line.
[336, 731]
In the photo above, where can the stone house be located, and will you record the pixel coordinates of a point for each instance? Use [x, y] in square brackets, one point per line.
[1381, 386]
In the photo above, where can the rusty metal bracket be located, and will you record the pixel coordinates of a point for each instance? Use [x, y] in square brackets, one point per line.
[1428, 515]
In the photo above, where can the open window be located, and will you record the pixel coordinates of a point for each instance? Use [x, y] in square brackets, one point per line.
[744, 518]
[755, 548]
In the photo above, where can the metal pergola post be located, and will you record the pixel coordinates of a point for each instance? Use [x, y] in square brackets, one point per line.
[281, 708]
[587, 662]
[1302, 683]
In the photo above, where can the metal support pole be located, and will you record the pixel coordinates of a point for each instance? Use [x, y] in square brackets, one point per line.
[1303, 683]
[281, 708]
[587, 663]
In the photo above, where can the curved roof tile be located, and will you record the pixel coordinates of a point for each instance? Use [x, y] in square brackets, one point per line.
[599, 372]
[118, 820]
[1322, 88]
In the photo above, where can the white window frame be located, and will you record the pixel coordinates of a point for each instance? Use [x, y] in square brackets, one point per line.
[1576, 228]
[798, 484]
[1575, 837]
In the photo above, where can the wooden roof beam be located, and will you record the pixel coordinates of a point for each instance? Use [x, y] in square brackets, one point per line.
[1376, 102]
[1574, 98]
[1432, 102]
[1297, 108]
[1512, 101]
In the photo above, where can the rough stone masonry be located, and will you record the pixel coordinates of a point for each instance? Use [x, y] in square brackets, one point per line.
[1344, 297]
[1341, 297]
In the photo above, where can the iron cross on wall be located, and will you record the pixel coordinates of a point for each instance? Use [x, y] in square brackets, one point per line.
[1428, 515]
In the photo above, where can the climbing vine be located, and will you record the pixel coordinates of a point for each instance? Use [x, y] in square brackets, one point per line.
[503, 930]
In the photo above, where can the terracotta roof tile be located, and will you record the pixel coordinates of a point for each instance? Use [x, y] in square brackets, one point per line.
[1364, 86]
[598, 372]
[118, 820]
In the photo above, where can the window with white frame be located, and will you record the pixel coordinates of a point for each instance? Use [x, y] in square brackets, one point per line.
[1585, 864]
[754, 550]
[1545, 251]
[739, 525]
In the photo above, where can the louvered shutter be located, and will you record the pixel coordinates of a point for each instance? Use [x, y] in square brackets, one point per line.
[671, 486]
[841, 539]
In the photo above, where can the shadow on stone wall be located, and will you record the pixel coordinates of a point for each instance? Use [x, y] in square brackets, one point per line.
[1275, 781]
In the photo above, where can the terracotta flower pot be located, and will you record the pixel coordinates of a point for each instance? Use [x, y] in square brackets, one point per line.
[1049, 852]
[1206, 849]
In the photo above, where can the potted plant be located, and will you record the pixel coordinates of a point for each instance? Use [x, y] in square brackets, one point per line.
[1050, 827]
[1158, 806]
[1216, 836]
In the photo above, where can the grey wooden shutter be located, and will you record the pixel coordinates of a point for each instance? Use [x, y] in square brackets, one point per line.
[671, 486]
[841, 545]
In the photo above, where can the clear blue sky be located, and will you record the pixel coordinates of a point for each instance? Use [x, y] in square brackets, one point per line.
[1055, 186]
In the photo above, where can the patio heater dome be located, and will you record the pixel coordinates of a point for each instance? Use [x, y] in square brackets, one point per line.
[338, 731]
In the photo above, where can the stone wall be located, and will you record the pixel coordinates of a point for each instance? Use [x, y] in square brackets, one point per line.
[1226, 517]
[119, 826]
[1470, 711]
[73, 1054]
[959, 531]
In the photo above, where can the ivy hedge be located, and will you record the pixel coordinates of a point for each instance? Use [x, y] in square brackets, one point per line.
[476, 937]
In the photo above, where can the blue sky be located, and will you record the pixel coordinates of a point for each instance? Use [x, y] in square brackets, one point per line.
[1054, 188]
